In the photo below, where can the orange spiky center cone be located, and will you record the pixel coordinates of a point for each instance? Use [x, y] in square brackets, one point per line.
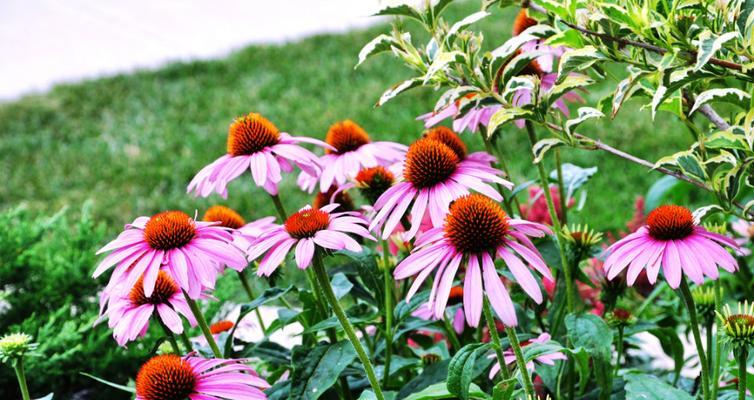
[169, 230]
[165, 377]
[250, 134]
[670, 222]
[346, 136]
[475, 224]
[164, 288]
[225, 215]
[306, 223]
[446, 136]
[429, 162]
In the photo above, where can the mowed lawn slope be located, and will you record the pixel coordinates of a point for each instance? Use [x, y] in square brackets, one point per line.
[131, 143]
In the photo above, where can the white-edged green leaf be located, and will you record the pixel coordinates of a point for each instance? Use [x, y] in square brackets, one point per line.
[375, 46]
[401, 10]
[578, 60]
[398, 89]
[571, 82]
[505, 115]
[623, 91]
[441, 61]
[518, 63]
[463, 24]
[510, 46]
[570, 38]
[451, 95]
[517, 83]
[657, 99]
[728, 95]
[727, 140]
[541, 31]
[584, 113]
[708, 45]
[701, 212]
[541, 147]
[554, 6]
[687, 161]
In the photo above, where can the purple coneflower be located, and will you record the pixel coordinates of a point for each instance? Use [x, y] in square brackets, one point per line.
[307, 228]
[128, 312]
[350, 150]
[433, 176]
[475, 232]
[671, 240]
[547, 359]
[255, 144]
[189, 250]
[243, 233]
[168, 377]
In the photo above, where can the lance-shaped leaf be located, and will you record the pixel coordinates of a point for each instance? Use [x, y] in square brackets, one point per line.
[541, 147]
[398, 89]
[624, 90]
[730, 139]
[505, 115]
[377, 45]
[571, 82]
[584, 114]
[402, 10]
[451, 95]
[649, 387]
[517, 83]
[554, 6]
[443, 60]
[463, 24]
[728, 95]
[578, 60]
[688, 162]
[316, 370]
[461, 368]
[508, 48]
[657, 99]
[708, 45]
[518, 63]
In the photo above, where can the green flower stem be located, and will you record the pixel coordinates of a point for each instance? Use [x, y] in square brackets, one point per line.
[495, 338]
[718, 345]
[455, 344]
[321, 274]
[18, 365]
[279, 207]
[203, 325]
[186, 342]
[743, 354]
[247, 288]
[528, 386]
[567, 273]
[619, 350]
[694, 325]
[561, 189]
[170, 336]
[389, 284]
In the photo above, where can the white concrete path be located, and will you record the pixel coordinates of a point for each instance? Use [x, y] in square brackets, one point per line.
[43, 42]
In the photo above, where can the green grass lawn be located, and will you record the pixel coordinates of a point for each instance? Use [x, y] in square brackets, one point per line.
[131, 143]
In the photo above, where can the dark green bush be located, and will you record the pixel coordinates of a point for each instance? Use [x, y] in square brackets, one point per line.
[46, 290]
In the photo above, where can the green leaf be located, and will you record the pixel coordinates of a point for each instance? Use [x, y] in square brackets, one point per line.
[517, 83]
[398, 89]
[370, 274]
[581, 356]
[578, 60]
[340, 285]
[566, 85]
[124, 388]
[403, 10]
[624, 90]
[431, 374]
[554, 7]
[709, 44]
[534, 350]
[510, 46]
[726, 140]
[441, 61]
[543, 145]
[316, 370]
[657, 99]
[649, 387]
[584, 113]
[461, 369]
[369, 395]
[518, 63]
[462, 24]
[728, 95]
[404, 308]
[590, 332]
[440, 391]
[573, 177]
[504, 116]
[377, 45]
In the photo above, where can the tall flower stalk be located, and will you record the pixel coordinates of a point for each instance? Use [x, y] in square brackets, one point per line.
[521, 363]
[202, 322]
[324, 282]
[688, 300]
[567, 273]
